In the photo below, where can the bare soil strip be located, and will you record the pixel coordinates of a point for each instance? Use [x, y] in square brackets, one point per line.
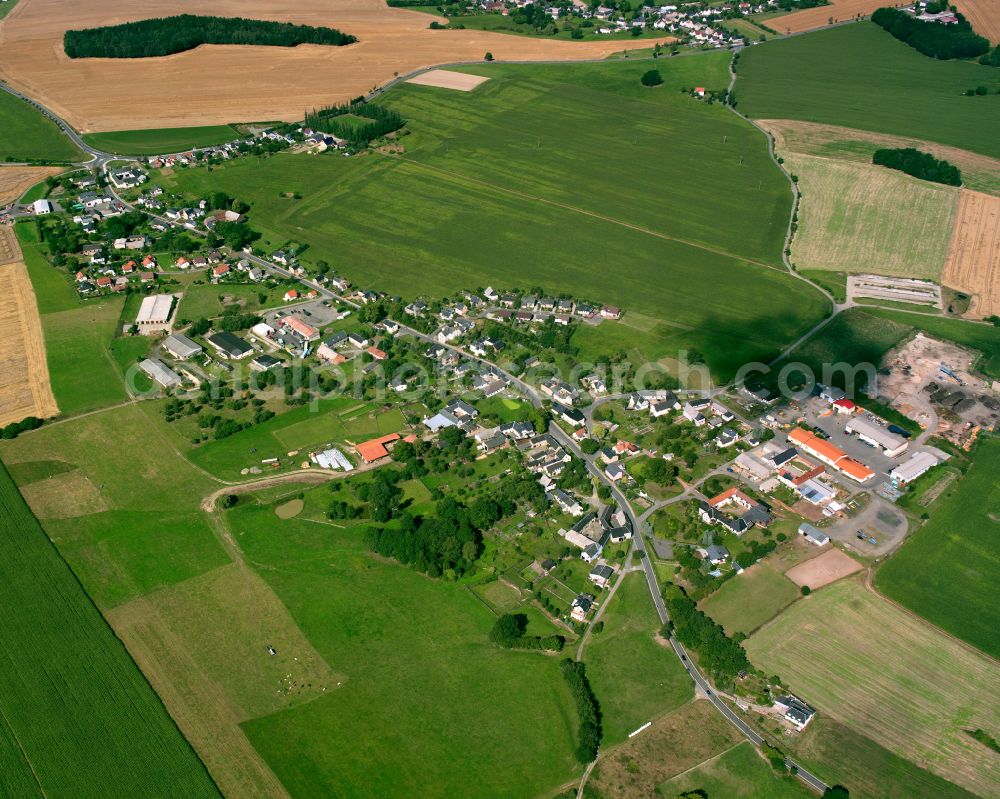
[827, 568]
[979, 172]
[16, 180]
[819, 17]
[973, 264]
[446, 79]
[221, 84]
[24, 374]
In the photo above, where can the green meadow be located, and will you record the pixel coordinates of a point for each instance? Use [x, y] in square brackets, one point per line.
[77, 717]
[948, 569]
[859, 76]
[160, 141]
[125, 514]
[750, 599]
[428, 707]
[738, 773]
[26, 135]
[635, 678]
[661, 204]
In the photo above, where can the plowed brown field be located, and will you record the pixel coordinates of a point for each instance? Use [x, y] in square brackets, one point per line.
[983, 16]
[16, 180]
[973, 264]
[24, 374]
[820, 16]
[219, 84]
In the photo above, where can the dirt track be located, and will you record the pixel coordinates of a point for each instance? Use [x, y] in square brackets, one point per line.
[24, 374]
[16, 180]
[220, 84]
[973, 264]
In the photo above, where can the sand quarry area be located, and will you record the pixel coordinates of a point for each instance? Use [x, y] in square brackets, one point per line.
[16, 180]
[973, 264]
[24, 374]
[220, 84]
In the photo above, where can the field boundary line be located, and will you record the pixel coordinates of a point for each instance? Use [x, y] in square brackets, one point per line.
[20, 748]
[584, 212]
[709, 759]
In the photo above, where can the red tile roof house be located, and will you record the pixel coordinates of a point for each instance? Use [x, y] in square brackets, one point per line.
[376, 449]
[376, 353]
[220, 270]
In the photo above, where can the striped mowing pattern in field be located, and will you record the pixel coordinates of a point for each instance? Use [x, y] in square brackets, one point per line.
[77, 718]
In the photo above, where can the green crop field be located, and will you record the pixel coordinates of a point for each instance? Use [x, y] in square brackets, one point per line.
[738, 773]
[428, 707]
[26, 135]
[864, 218]
[948, 570]
[126, 515]
[859, 76]
[492, 180]
[160, 141]
[750, 599]
[77, 718]
[635, 679]
[840, 649]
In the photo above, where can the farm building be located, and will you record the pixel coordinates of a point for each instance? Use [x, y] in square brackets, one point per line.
[830, 455]
[162, 374]
[181, 347]
[376, 449]
[331, 458]
[813, 535]
[876, 435]
[918, 464]
[229, 345]
[154, 313]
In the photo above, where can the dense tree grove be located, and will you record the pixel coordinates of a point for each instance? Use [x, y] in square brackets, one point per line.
[937, 41]
[358, 122]
[921, 165]
[587, 708]
[168, 35]
[14, 429]
[236, 235]
[509, 632]
[432, 544]
[992, 58]
[718, 653]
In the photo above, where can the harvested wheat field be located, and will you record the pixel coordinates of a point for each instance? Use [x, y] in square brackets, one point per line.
[819, 17]
[888, 675]
[973, 264]
[979, 172]
[16, 180]
[446, 79]
[863, 218]
[24, 374]
[983, 16]
[823, 570]
[219, 84]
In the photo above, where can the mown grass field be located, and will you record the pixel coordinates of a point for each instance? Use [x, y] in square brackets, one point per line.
[635, 678]
[78, 335]
[864, 218]
[859, 76]
[207, 301]
[160, 141]
[77, 718]
[840, 649]
[29, 136]
[429, 706]
[750, 599]
[948, 570]
[493, 181]
[838, 754]
[125, 515]
[740, 773]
